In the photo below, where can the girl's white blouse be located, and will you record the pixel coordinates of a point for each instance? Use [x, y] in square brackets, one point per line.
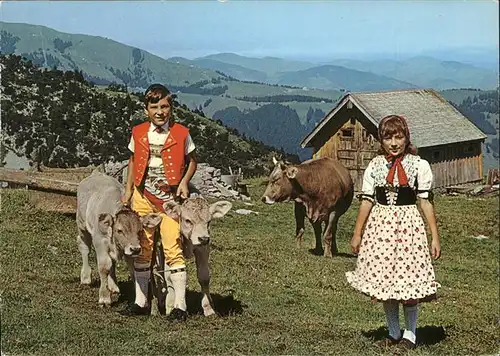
[417, 169]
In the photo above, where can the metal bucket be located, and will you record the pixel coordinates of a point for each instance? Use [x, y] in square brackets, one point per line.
[230, 179]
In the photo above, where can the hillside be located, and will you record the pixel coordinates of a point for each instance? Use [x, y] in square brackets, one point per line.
[481, 107]
[61, 120]
[233, 70]
[267, 65]
[285, 131]
[102, 60]
[336, 77]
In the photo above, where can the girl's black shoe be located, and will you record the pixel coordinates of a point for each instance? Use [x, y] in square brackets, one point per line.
[135, 310]
[177, 315]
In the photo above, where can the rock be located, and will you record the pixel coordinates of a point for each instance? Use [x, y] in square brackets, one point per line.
[245, 212]
[245, 198]
[480, 237]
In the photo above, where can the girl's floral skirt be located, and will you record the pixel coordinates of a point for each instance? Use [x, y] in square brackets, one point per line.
[394, 261]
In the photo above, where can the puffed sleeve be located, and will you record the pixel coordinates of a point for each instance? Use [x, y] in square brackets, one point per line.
[189, 145]
[131, 145]
[424, 179]
[368, 187]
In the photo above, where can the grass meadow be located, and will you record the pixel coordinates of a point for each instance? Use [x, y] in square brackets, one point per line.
[272, 297]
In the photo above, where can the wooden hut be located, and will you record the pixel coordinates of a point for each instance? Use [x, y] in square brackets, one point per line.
[447, 139]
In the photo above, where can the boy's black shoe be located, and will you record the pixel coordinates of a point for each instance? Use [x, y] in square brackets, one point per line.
[406, 344]
[387, 342]
[135, 310]
[177, 315]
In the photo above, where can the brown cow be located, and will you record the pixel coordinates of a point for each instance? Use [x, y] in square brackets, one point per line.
[322, 190]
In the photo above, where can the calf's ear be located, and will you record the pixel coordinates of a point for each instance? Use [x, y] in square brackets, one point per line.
[151, 221]
[105, 223]
[172, 209]
[291, 172]
[220, 208]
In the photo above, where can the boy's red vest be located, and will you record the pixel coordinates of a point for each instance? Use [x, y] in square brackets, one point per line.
[172, 153]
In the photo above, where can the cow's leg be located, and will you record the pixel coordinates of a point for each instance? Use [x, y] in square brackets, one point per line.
[329, 235]
[202, 254]
[335, 222]
[112, 281]
[318, 236]
[104, 264]
[300, 214]
[84, 241]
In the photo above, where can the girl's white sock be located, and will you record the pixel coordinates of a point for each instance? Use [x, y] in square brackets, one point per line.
[410, 312]
[391, 309]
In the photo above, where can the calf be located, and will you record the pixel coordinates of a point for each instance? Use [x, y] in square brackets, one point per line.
[194, 216]
[322, 190]
[112, 228]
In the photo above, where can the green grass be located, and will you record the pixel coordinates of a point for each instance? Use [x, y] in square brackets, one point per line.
[274, 298]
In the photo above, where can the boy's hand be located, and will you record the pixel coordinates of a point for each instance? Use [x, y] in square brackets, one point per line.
[183, 190]
[435, 249]
[127, 197]
[355, 243]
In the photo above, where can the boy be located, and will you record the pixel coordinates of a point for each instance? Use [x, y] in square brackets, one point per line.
[161, 149]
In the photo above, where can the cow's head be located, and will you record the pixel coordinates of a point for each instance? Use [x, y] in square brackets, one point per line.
[280, 188]
[194, 215]
[126, 227]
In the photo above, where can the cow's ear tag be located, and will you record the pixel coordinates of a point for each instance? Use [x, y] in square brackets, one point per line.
[291, 172]
[172, 209]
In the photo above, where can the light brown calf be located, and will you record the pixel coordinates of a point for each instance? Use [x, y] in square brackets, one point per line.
[194, 216]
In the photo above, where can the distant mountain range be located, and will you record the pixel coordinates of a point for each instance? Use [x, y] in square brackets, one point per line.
[429, 72]
[105, 61]
[260, 97]
[353, 75]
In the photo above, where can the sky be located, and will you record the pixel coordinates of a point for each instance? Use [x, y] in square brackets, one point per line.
[287, 29]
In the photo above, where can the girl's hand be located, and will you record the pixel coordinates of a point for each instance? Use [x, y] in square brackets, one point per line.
[355, 244]
[435, 248]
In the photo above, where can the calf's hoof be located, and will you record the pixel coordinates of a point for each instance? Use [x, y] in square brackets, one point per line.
[209, 312]
[177, 315]
[105, 304]
[85, 279]
[328, 254]
[114, 290]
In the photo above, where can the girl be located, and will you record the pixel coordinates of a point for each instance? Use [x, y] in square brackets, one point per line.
[394, 264]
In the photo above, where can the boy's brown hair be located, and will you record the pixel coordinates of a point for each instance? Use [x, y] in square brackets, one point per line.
[393, 124]
[155, 92]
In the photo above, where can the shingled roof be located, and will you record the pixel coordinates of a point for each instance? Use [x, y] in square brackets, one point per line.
[431, 119]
